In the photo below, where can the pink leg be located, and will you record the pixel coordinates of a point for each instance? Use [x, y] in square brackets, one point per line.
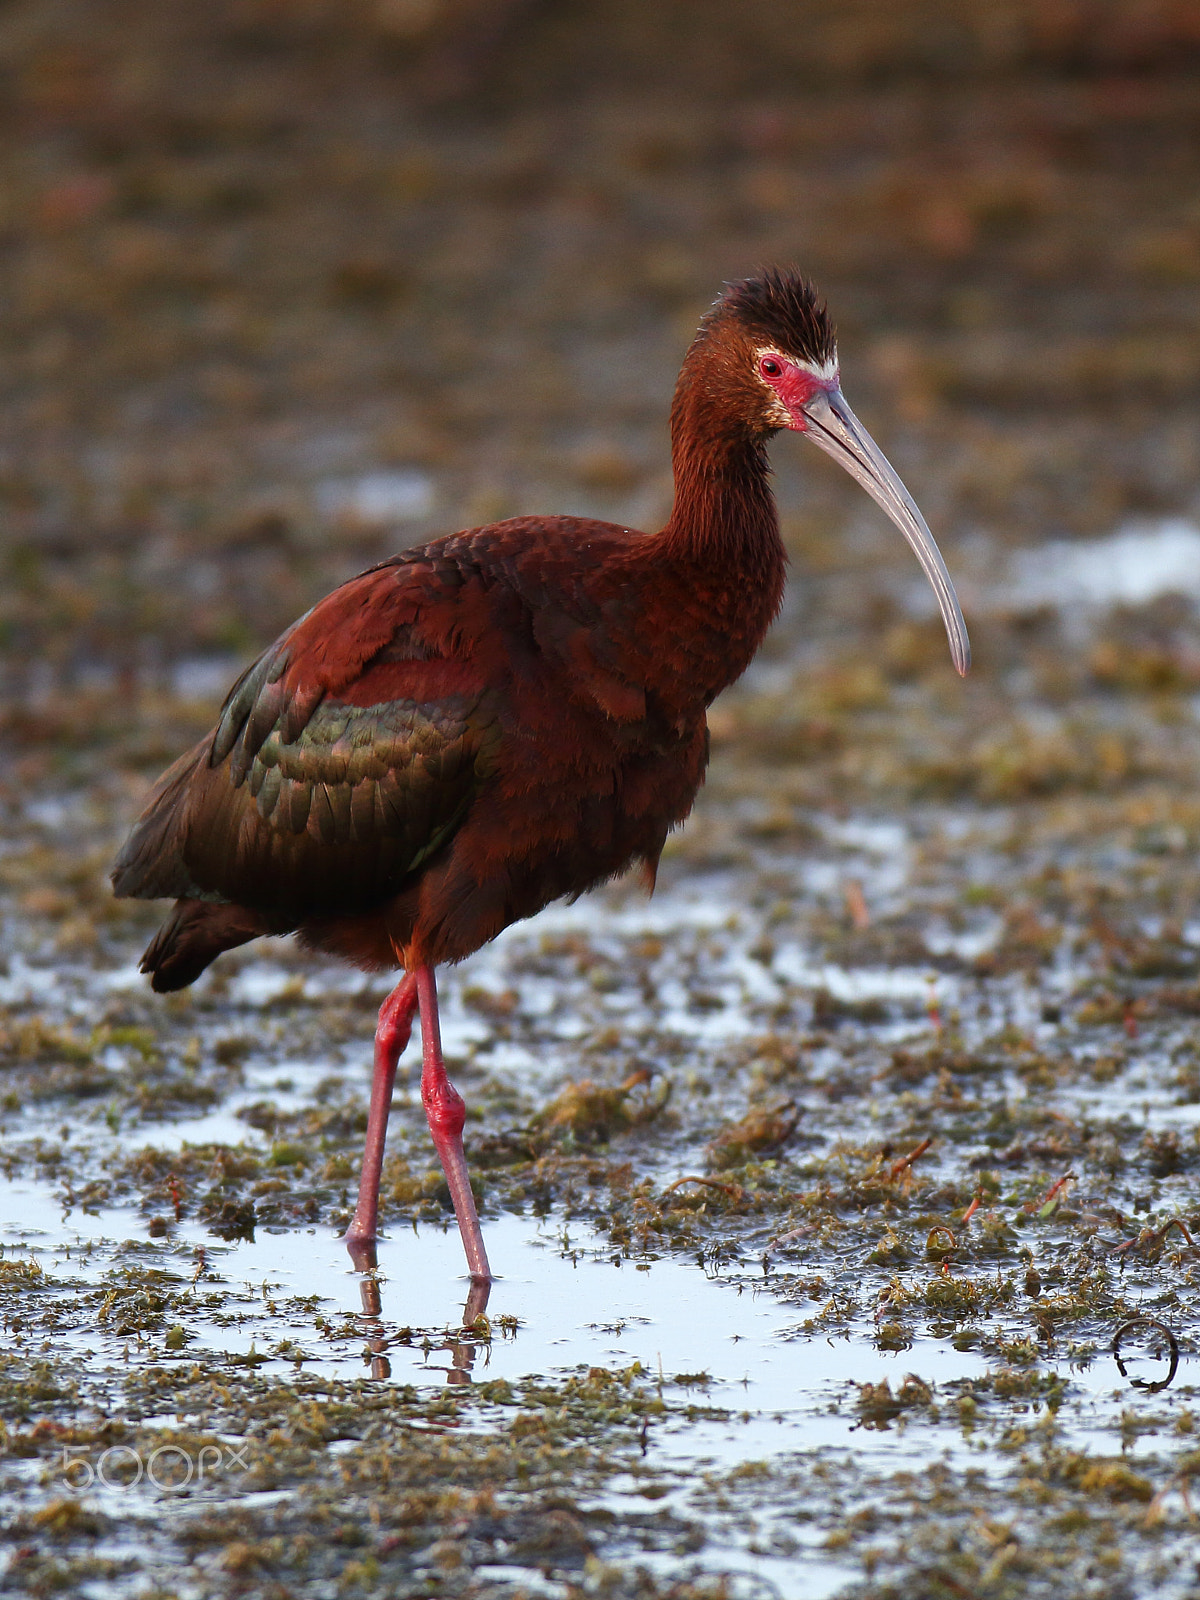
[391, 1035]
[446, 1113]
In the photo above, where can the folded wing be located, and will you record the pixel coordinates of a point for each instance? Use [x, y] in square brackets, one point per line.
[344, 758]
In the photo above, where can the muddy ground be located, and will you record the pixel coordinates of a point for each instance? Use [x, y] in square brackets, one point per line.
[843, 1195]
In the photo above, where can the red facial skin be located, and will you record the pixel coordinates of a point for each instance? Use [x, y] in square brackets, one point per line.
[795, 385]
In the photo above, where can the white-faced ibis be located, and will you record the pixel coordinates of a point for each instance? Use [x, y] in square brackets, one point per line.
[477, 727]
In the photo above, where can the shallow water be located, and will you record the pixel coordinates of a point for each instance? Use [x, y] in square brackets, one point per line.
[768, 1342]
[561, 1300]
[756, 1324]
[818, 1187]
[1132, 566]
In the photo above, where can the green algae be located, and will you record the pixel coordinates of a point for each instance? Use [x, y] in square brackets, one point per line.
[230, 274]
[968, 1164]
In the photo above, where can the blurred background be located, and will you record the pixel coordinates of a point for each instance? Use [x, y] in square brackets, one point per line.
[289, 284]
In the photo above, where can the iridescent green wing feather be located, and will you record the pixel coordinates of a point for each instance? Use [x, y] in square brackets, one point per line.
[344, 758]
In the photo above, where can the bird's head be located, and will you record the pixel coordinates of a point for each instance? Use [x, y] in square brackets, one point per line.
[779, 355]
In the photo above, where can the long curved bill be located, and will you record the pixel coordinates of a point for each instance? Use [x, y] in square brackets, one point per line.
[832, 425]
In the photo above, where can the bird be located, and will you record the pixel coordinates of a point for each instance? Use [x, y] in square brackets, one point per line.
[502, 717]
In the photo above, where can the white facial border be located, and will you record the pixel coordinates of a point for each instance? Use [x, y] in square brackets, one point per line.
[826, 372]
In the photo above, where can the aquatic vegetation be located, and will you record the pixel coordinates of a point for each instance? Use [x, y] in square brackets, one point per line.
[844, 1194]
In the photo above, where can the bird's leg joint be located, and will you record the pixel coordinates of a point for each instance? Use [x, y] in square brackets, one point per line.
[395, 1019]
[444, 1106]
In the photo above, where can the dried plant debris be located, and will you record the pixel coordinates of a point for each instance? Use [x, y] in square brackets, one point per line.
[947, 1143]
[844, 1194]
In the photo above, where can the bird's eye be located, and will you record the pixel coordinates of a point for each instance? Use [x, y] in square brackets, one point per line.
[770, 367]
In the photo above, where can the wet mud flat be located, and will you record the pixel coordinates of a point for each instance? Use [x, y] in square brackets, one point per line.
[819, 1186]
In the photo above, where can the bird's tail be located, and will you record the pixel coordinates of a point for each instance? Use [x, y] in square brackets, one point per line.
[193, 936]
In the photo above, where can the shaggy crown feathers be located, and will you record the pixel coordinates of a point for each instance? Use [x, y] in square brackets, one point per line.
[783, 309]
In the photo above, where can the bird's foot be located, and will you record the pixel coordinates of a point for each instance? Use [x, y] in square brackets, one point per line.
[477, 1300]
[362, 1249]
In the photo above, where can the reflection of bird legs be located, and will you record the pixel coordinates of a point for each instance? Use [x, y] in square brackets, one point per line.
[372, 1306]
[444, 1111]
[462, 1359]
[462, 1352]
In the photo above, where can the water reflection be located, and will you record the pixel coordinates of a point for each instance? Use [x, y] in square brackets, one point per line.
[768, 1385]
[463, 1350]
[1142, 1340]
